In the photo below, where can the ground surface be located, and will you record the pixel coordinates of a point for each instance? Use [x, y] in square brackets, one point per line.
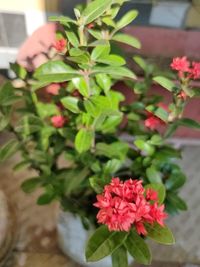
[36, 243]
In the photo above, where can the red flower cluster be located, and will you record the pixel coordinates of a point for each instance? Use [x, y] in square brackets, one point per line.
[183, 65]
[58, 121]
[126, 204]
[60, 45]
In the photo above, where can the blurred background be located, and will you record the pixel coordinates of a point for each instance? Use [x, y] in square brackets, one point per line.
[166, 29]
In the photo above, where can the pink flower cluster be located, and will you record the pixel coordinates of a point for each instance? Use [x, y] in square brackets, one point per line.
[126, 204]
[183, 66]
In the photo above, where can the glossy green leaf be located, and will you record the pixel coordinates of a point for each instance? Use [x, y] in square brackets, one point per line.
[115, 71]
[127, 19]
[70, 103]
[82, 86]
[144, 146]
[62, 19]
[97, 184]
[29, 185]
[138, 249]
[94, 10]
[7, 95]
[120, 257]
[103, 243]
[100, 51]
[114, 150]
[55, 71]
[176, 180]
[177, 202]
[140, 61]
[47, 109]
[164, 82]
[160, 189]
[153, 175]
[104, 81]
[112, 60]
[74, 178]
[162, 235]
[72, 37]
[8, 150]
[96, 34]
[112, 166]
[20, 71]
[83, 140]
[127, 39]
[187, 122]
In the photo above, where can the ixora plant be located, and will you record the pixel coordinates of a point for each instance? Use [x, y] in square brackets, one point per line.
[68, 109]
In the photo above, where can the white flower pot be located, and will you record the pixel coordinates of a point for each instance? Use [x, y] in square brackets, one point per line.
[72, 238]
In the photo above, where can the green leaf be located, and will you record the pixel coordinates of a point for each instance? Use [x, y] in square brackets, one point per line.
[82, 86]
[109, 22]
[83, 140]
[160, 189]
[156, 140]
[47, 109]
[113, 60]
[167, 153]
[100, 51]
[74, 178]
[176, 180]
[127, 39]
[103, 243]
[29, 185]
[4, 121]
[55, 71]
[153, 175]
[188, 123]
[162, 235]
[176, 201]
[112, 166]
[138, 249]
[62, 19]
[29, 124]
[164, 82]
[144, 147]
[110, 124]
[104, 81]
[127, 19]
[45, 199]
[97, 184]
[140, 61]
[94, 10]
[119, 257]
[114, 71]
[96, 34]
[7, 95]
[72, 37]
[114, 150]
[70, 103]
[22, 165]
[7, 150]
[45, 133]
[18, 70]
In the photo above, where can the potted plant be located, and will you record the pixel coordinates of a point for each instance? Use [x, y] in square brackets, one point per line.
[119, 177]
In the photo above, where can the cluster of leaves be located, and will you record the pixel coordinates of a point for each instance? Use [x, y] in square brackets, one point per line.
[93, 140]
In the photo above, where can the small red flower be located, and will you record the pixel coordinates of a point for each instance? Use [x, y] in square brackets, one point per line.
[182, 95]
[60, 45]
[152, 121]
[58, 121]
[75, 93]
[90, 25]
[195, 70]
[126, 204]
[53, 88]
